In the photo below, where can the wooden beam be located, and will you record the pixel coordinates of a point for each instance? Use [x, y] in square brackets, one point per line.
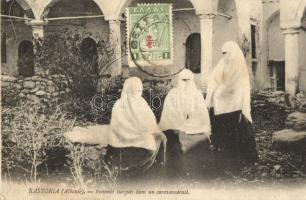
[100, 16]
[188, 9]
[182, 9]
[224, 15]
[74, 17]
[16, 17]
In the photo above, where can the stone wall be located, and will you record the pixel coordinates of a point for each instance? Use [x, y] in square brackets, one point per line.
[34, 89]
[279, 98]
[52, 88]
[156, 85]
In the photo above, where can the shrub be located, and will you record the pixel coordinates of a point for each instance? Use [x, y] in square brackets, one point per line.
[30, 133]
[9, 97]
[34, 147]
[87, 166]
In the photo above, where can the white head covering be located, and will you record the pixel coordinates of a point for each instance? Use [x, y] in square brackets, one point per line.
[133, 122]
[185, 108]
[229, 85]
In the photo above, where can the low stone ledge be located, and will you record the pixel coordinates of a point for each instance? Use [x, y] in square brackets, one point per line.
[289, 139]
[296, 121]
[35, 88]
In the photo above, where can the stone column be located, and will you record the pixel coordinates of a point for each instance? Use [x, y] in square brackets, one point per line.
[206, 23]
[38, 37]
[291, 60]
[115, 41]
[262, 78]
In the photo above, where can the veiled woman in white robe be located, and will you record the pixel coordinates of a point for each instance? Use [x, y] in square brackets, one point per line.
[134, 136]
[184, 120]
[185, 108]
[229, 97]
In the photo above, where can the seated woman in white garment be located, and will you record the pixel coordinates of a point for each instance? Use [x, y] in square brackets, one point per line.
[184, 120]
[134, 136]
[228, 97]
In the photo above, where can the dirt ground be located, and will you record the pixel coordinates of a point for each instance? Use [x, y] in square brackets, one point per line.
[275, 166]
[201, 165]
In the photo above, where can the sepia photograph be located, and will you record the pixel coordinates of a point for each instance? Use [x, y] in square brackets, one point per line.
[153, 100]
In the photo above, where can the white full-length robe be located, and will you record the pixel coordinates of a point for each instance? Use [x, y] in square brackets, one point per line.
[133, 122]
[185, 108]
[229, 85]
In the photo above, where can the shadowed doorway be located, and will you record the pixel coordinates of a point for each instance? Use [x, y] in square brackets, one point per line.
[193, 52]
[26, 59]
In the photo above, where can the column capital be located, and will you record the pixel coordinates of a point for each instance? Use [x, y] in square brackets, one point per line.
[113, 18]
[295, 30]
[207, 16]
[37, 27]
[115, 21]
[37, 23]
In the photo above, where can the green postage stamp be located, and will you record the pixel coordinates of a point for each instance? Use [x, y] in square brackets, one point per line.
[149, 35]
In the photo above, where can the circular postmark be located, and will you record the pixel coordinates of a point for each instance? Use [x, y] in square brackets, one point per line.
[150, 46]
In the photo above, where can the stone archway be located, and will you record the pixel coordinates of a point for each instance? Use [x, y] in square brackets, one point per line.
[48, 4]
[275, 51]
[225, 29]
[55, 8]
[291, 15]
[301, 11]
[17, 8]
[14, 31]
[82, 26]
[67, 20]
[89, 54]
[88, 49]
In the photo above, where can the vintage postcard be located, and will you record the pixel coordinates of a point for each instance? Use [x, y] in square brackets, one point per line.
[153, 99]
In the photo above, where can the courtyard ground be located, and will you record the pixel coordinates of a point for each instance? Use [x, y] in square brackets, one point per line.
[203, 166]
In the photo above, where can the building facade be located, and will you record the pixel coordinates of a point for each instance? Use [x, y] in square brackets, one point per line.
[283, 46]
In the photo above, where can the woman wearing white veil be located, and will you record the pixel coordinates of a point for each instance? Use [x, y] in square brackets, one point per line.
[185, 108]
[229, 96]
[185, 119]
[134, 136]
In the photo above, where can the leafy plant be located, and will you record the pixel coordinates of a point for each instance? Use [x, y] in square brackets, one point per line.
[77, 56]
[30, 133]
[88, 167]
